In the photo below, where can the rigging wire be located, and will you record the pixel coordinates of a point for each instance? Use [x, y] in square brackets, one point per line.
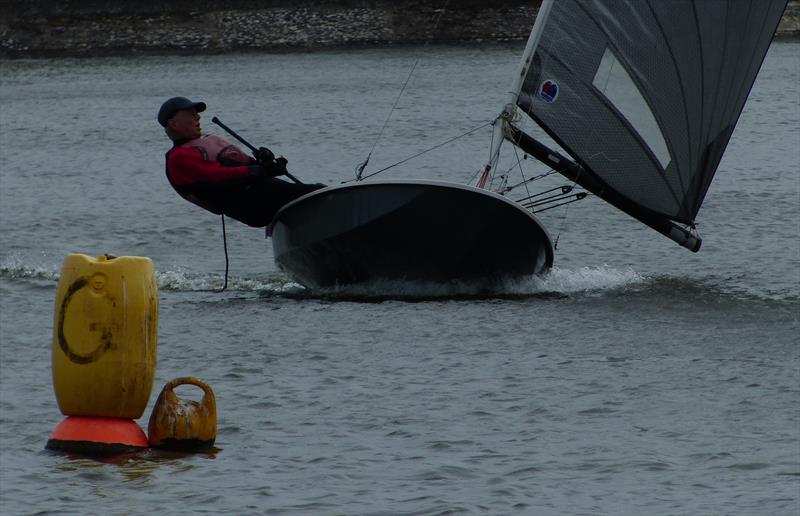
[533, 178]
[360, 168]
[525, 180]
[474, 176]
[521, 171]
[497, 120]
[547, 200]
[442, 144]
[561, 226]
[578, 197]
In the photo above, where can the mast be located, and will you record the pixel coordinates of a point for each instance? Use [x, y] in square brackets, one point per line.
[507, 113]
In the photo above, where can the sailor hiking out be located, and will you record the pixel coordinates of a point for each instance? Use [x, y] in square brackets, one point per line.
[215, 174]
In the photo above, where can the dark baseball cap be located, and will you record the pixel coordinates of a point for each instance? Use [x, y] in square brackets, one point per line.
[171, 107]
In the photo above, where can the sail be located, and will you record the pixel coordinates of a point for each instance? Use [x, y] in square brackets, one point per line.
[645, 94]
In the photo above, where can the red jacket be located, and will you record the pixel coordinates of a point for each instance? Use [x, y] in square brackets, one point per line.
[186, 165]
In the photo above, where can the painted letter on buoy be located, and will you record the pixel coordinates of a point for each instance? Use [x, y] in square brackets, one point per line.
[105, 336]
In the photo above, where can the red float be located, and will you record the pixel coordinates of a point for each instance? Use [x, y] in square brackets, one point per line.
[90, 435]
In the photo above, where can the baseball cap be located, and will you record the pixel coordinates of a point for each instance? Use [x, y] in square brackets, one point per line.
[175, 104]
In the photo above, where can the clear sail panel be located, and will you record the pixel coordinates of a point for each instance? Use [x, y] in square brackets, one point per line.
[616, 85]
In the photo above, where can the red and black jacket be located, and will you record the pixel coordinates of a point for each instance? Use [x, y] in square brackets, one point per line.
[217, 176]
[219, 188]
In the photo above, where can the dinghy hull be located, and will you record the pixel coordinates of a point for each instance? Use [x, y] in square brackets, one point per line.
[407, 231]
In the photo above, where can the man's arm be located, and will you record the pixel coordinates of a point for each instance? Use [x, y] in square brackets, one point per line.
[186, 165]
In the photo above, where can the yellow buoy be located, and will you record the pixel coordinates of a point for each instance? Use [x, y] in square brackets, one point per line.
[105, 336]
[178, 424]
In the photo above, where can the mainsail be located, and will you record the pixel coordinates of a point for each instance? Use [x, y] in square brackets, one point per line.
[644, 96]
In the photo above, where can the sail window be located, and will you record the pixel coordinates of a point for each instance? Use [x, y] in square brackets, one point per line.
[614, 82]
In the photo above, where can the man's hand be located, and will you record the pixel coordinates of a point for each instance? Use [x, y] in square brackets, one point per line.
[264, 156]
[281, 163]
[274, 168]
[268, 165]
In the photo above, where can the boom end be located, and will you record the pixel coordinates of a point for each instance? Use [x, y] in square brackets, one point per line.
[685, 239]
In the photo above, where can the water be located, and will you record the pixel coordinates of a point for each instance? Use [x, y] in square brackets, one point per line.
[636, 378]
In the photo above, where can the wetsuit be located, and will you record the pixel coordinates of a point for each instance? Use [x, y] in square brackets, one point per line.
[216, 175]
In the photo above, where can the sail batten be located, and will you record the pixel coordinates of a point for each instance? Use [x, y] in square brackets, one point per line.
[647, 93]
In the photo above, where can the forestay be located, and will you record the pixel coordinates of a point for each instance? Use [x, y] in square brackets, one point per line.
[645, 94]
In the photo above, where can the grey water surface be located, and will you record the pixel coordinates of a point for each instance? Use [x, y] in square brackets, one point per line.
[636, 378]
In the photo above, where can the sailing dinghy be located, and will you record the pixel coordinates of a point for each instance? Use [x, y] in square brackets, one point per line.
[641, 96]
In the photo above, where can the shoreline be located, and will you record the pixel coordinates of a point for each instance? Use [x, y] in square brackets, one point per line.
[156, 52]
[34, 29]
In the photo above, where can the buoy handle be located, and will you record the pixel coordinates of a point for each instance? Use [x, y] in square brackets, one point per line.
[187, 380]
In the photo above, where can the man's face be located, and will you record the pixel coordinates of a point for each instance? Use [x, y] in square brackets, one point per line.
[186, 124]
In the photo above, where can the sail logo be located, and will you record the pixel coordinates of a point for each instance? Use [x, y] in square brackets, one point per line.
[548, 91]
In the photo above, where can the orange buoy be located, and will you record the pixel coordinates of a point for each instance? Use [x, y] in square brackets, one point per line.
[105, 336]
[177, 424]
[88, 435]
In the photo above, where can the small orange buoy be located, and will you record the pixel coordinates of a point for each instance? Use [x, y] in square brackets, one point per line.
[177, 424]
[90, 435]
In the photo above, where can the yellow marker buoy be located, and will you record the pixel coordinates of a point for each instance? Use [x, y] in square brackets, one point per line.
[178, 424]
[105, 336]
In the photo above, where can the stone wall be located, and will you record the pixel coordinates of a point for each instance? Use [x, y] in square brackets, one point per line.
[790, 24]
[43, 28]
[39, 28]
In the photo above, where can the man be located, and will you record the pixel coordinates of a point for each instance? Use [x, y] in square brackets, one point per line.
[214, 174]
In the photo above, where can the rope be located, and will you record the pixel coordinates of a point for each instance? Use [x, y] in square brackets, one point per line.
[225, 247]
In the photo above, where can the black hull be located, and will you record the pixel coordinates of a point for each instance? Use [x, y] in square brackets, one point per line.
[409, 231]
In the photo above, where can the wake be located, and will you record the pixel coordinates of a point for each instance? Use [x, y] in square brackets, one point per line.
[556, 283]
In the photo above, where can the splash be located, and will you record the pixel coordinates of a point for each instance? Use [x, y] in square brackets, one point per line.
[15, 268]
[584, 280]
[182, 280]
[557, 283]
